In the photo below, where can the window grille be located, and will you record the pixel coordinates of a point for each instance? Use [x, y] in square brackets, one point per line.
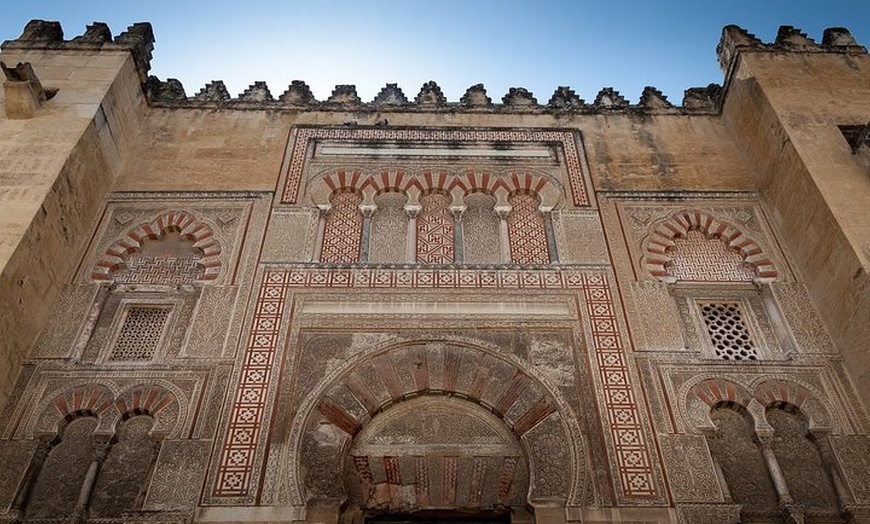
[728, 331]
[140, 333]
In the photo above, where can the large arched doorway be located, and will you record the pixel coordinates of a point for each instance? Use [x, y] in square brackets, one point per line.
[436, 426]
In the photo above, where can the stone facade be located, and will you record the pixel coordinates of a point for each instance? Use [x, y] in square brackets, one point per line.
[279, 309]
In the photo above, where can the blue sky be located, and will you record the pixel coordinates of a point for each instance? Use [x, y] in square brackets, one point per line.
[537, 45]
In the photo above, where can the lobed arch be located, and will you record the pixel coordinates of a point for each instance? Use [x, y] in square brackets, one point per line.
[702, 394]
[659, 244]
[183, 222]
[370, 384]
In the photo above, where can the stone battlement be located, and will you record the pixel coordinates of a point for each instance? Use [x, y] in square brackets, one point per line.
[139, 39]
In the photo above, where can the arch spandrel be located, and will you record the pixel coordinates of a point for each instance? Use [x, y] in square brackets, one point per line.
[340, 409]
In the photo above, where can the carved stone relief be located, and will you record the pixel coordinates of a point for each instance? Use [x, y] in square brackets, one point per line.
[290, 236]
[207, 331]
[480, 231]
[580, 237]
[15, 455]
[853, 457]
[178, 474]
[57, 486]
[123, 476]
[691, 473]
[389, 229]
[67, 319]
[806, 327]
[734, 448]
[656, 313]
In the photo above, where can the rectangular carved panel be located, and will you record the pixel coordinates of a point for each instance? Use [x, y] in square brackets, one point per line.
[177, 475]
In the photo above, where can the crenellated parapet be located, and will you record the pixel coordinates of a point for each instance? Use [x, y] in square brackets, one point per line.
[43, 34]
[736, 40]
[430, 98]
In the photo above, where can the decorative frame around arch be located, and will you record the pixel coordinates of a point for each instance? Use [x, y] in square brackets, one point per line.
[551, 404]
[658, 245]
[184, 223]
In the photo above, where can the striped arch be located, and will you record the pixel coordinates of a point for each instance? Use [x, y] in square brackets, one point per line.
[479, 181]
[658, 246]
[184, 223]
[150, 399]
[62, 406]
[386, 180]
[777, 392]
[714, 391]
[706, 392]
[372, 384]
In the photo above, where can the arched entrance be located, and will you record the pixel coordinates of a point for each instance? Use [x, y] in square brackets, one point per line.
[436, 426]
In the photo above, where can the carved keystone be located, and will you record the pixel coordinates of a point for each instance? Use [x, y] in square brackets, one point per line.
[608, 98]
[24, 93]
[430, 96]
[565, 98]
[256, 92]
[42, 31]
[298, 94]
[475, 96]
[390, 95]
[652, 98]
[344, 94]
[519, 97]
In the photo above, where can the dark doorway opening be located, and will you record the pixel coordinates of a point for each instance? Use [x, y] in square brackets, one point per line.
[442, 517]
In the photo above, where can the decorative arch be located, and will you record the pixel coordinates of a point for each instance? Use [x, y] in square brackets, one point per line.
[660, 244]
[779, 392]
[110, 405]
[61, 406]
[706, 392]
[372, 383]
[155, 400]
[182, 222]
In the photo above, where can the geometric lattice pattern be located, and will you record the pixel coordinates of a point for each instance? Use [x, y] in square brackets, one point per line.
[342, 231]
[623, 417]
[699, 259]
[140, 333]
[304, 136]
[246, 415]
[526, 232]
[727, 330]
[159, 270]
[435, 230]
[242, 443]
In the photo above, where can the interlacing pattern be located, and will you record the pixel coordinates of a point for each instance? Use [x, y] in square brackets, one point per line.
[342, 232]
[435, 230]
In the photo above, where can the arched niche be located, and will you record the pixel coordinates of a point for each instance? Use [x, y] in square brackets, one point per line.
[478, 384]
[432, 452]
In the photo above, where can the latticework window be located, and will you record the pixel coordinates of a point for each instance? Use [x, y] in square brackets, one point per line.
[435, 230]
[728, 331]
[527, 234]
[140, 333]
[342, 232]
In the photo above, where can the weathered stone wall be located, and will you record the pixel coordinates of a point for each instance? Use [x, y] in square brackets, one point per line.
[782, 110]
[56, 171]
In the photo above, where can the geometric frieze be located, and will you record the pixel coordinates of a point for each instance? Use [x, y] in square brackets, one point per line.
[243, 445]
[425, 143]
